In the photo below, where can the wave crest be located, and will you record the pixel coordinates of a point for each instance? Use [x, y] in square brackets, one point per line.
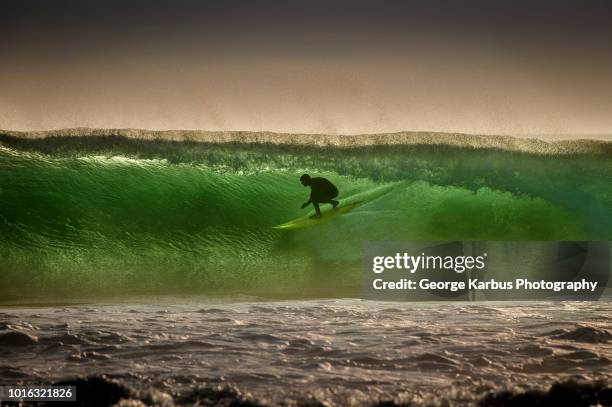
[404, 138]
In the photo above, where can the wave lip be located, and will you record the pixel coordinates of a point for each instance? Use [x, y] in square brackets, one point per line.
[407, 138]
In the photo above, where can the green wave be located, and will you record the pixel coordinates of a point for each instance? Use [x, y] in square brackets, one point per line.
[111, 215]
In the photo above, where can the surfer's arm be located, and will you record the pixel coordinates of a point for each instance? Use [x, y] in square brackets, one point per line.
[307, 203]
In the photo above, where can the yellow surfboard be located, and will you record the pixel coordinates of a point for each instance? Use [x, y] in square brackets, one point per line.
[329, 214]
[326, 216]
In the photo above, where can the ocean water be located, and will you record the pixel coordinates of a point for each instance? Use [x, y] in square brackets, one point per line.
[147, 269]
[181, 351]
[97, 216]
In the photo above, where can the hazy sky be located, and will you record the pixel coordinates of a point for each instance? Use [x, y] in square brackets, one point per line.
[499, 67]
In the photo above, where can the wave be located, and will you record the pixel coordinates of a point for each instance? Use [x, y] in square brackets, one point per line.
[118, 214]
[586, 334]
[404, 138]
[103, 390]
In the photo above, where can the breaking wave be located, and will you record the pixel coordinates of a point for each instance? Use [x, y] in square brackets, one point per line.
[124, 213]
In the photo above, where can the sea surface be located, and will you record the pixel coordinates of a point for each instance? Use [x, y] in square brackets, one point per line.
[144, 267]
[197, 351]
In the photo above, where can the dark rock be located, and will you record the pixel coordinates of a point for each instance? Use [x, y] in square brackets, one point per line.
[95, 392]
[570, 393]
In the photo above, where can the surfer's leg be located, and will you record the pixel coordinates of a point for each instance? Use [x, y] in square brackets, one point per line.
[317, 210]
[331, 201]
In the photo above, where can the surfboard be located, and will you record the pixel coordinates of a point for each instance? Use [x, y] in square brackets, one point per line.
[326, 216]
[344, 207]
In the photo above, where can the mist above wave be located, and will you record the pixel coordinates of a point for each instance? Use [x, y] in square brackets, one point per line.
[579, 145]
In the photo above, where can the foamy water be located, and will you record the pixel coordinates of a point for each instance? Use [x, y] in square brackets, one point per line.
[338, 352]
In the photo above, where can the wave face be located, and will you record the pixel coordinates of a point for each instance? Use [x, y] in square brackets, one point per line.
[114, 215]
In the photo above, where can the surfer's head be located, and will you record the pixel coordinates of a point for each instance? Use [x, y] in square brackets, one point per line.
[305, 180]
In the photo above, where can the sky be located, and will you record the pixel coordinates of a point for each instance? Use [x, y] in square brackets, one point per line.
[339, 67]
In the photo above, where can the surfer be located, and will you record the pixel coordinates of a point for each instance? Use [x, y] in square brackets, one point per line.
[321, 191]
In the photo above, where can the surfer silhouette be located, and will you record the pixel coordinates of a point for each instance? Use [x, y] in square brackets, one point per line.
[321, 191]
